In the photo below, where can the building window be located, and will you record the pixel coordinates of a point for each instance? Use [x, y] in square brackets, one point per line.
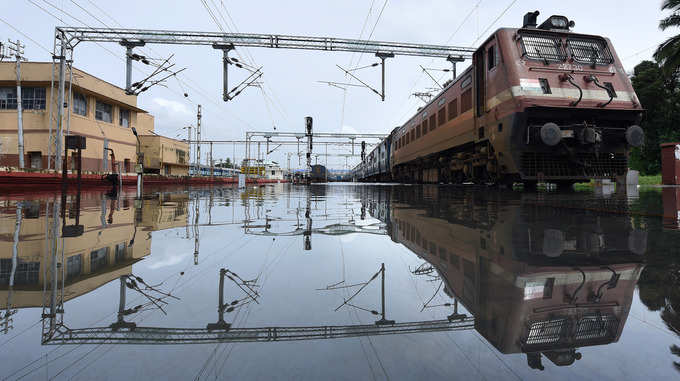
[74, 266]
[104, 112]
[8, 98]
[181, 156]
[33, 98]
[99, 259]
[120, 252]
[124, 119]
[79, 104]
[25, 273]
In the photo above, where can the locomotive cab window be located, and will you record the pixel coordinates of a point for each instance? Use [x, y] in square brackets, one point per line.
[492, 57]
[543, 48]
[593, 51]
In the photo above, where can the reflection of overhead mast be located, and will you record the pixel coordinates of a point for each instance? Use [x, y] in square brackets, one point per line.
[222, 332]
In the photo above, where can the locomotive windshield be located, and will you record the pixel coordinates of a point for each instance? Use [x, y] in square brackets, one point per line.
[550, 48]
[544, 48]
[590, 51]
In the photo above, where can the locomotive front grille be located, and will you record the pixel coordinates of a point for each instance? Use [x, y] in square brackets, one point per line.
[596, 327]
[582, 165]
[547, 332]
[570, 331]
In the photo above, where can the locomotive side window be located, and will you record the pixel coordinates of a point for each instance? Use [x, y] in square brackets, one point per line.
[433, 122]
[542, 48]
[424, 127]
[418, 132]
[442, 116]
[453, 109]
[492, 57]
[592, 51]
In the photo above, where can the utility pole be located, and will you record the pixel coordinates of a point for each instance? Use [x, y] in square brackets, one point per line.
[198, 139]
[309, 131]
[17, 50]
[189, 140]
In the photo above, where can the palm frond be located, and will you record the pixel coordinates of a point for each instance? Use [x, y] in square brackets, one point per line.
[668, 55]
[670, 5]
[670, 21]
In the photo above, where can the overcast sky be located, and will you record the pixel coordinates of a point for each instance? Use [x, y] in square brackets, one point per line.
[291, 91]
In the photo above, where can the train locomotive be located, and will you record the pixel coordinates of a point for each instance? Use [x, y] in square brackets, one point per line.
[538, 104]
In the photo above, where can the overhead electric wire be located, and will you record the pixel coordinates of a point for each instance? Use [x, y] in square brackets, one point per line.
[494, 21]
[420, 76]
[27, 36]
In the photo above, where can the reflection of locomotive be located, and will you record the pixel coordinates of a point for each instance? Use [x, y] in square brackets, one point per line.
[537, 103]
[538, 281]
[318, 173]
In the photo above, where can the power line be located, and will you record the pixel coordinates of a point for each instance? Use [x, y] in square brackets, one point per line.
[495, 21]
[25, 35]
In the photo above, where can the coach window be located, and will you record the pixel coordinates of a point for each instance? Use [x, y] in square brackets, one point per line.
[453, 109]
[441, 115]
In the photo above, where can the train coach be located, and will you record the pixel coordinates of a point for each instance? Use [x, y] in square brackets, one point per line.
[539, 103]
[376, 166]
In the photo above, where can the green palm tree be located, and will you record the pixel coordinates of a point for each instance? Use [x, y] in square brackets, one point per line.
[668, 53]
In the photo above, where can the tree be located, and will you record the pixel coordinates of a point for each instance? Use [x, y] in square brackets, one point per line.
[668, 53]
[660, 96]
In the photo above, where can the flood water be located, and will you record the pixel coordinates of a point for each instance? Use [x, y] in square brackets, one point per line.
[340, 281]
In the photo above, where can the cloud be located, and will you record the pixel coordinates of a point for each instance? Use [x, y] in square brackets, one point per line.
[169, 115]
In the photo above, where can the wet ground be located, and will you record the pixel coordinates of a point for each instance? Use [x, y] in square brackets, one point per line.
[340, 281]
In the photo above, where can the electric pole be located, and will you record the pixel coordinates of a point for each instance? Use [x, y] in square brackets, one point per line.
[17, 50]
[198, 139]
[189, 140]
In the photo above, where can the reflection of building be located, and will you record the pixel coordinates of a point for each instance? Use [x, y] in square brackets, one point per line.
[164, 156]
[538, 280]
[98, 110]
[108, 247]
[165, 211]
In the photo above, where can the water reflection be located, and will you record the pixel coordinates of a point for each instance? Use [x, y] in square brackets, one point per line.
[541, 281]
[550, 278]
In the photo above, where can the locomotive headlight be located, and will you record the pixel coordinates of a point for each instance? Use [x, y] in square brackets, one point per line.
[551, 134]
[635, 136]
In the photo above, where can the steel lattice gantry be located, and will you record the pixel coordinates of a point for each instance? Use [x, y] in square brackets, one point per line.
[158, 335]
[79, 34]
